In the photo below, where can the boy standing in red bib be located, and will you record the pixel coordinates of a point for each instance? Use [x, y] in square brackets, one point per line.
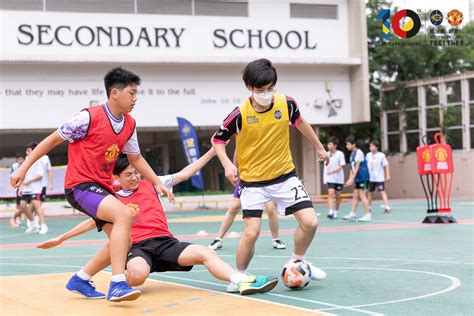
[97, 135]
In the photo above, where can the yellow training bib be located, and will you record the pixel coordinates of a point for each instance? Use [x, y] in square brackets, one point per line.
[263, 143]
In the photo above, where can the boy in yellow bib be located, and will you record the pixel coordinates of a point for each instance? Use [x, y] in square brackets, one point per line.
[265, 165]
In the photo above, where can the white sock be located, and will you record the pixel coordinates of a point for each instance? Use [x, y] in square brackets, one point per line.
[238, 277]
[217, 238]
[243, 271]
[275, 239]
[84, 276]
[297, 257]
[336, 213]
[353, 213]
[118, 278]
[331, 212]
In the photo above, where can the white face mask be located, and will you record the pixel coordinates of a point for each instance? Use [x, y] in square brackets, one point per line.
[264, 99]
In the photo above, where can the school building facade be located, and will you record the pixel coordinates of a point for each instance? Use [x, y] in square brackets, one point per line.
[189, 54]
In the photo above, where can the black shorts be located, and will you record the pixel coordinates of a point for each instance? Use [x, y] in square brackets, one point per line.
[363, 185]
[379, 185]
[86, 197]
[30, 197]
[161, 253]
[336, 186]
[43, 194]
[288, 211]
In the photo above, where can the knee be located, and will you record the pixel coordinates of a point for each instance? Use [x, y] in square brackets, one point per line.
[251, 234]
[208, 254]
[310, 226]
[124, 215]
[136, 277]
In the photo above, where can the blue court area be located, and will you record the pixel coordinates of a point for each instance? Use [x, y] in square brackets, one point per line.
[393, 265]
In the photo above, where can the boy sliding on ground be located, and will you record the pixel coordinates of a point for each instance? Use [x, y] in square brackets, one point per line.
[265, 165]
[154, 249]
[96, 137]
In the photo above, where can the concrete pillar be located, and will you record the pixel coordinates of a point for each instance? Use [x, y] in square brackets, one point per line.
[465, 108]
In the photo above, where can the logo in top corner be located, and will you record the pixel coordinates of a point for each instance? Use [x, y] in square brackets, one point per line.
[455, 17]
[277, 114]
[436, 17]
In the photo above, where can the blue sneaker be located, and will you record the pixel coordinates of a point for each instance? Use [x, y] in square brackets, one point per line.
[120, 291]
[84, 288]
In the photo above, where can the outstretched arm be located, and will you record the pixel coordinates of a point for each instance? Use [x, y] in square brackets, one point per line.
[229, 168]
[80, 229]
[42, 149]
[305, 128]
[191, 169]
[145, 170]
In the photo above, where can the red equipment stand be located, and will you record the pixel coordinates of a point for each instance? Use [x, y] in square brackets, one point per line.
[435, 162]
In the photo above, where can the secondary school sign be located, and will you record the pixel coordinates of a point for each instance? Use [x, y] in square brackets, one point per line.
[78, 37]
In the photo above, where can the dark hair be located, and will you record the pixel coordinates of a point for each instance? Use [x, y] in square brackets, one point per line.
[20, 155]
[32, 145]
[333, 140]
[119, 78]
[376, 143]
[351, 139]
[121, 164]
[259, 73]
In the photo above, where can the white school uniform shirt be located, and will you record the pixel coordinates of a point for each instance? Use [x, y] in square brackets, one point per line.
[335, 160]
[376, 163]
[34, 187]
[46, 166]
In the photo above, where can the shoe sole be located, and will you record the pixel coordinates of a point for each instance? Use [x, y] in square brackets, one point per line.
[265, 288]
[129, 297]
[279, 248]
[88, 297]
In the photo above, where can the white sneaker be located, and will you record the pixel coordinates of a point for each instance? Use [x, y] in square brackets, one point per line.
[316, 273]
[43, 229]
[232, 288]
[350, 217]
[278, 244]
[366, 218]
[335, 215]
[32, 229]
[216, 244]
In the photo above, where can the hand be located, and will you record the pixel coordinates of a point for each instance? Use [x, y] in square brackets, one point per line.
[134, 209]
[17, 177]
[162, 190]
[323, 156]
[388, 178]
[231, 173]
[349, 183]
[20, 192]
[50, 243]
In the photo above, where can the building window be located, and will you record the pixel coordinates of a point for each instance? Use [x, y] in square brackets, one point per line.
[452, 115]
[393, 123]
[413, 140]
[393, 142]
[178, 7]
[313, 11]
[221, 7]
[103, 6]
[23, 5]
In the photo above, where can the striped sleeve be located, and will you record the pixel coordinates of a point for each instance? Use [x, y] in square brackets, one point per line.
[293, 111]
[230, 126]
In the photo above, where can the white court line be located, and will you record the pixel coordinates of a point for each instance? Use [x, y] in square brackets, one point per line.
[14, 235]
[334, 306]
[361, 259]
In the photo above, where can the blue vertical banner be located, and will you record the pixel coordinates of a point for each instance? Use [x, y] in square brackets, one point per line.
[189, 139]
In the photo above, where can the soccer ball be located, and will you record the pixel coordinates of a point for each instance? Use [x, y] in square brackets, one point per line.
[296, 274]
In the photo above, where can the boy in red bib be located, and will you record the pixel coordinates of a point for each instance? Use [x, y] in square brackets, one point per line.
[97, 135]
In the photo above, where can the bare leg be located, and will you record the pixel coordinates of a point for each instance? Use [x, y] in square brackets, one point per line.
[246, 247]
[101, 258]
[338, 201]
[26, 210]
[307, 225]
[138, 271]
[197, 254]
[331, 199]
[355, 200]
[272, 213]
[364, 200]
[229, 218]
[369, 198]
[36, 206]
[114, 211]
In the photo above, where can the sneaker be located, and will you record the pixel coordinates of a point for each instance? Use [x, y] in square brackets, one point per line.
[14, 223]
[366, 218]
[278, 244]
[32, 229]
[216, 244]
[335, 215]
[330, 215]
[43, 229]
[316, 273]
[232, 288]
[120, 291]
[350, 217]
[257, 284]
[84, 288]
[388, 210]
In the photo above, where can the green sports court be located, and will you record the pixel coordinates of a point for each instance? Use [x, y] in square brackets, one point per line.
[393, 265]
